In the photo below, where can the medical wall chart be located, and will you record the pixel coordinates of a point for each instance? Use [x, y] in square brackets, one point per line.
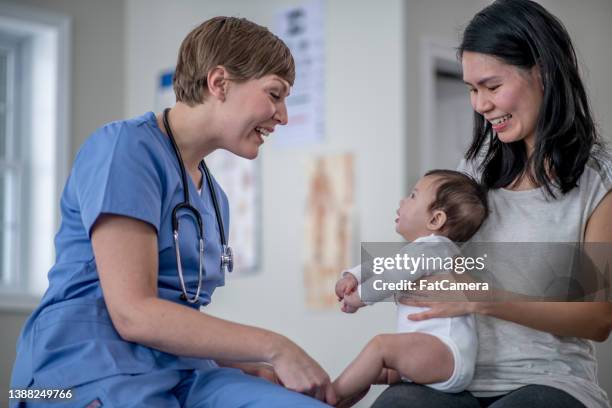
[302, 28]
[328, 228]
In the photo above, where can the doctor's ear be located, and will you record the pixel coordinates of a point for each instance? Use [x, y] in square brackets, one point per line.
[437, 220]
[218, 82]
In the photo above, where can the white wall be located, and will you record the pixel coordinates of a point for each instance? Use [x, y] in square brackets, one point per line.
[588, 23]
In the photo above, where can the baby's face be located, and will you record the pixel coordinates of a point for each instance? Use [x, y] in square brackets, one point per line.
[413, 213]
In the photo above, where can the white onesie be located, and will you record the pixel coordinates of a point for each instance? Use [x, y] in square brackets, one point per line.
[458, 333]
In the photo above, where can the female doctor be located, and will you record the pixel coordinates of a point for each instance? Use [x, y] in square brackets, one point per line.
[119, 324]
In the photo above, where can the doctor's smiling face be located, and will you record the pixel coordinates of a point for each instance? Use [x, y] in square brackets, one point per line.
[508, 97]
[253, 108]
[236, 74]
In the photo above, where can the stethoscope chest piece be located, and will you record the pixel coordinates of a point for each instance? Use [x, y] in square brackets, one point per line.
[227, 258]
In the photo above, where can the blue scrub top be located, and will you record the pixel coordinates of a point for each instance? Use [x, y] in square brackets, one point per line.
[125, 168]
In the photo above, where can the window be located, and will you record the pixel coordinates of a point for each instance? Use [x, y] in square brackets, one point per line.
[9, 169]
[34, 103]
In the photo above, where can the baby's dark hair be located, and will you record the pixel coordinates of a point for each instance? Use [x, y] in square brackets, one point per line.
[463, 200]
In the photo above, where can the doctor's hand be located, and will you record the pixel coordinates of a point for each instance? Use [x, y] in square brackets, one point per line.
[297, 371]
[346, 285]
[266, 372]
[262, 370]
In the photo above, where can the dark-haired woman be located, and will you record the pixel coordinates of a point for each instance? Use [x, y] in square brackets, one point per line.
[536, 148]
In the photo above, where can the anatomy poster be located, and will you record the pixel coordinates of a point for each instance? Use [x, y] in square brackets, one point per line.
[328, 227]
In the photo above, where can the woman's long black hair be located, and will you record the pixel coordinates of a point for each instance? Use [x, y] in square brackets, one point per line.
[522, 33]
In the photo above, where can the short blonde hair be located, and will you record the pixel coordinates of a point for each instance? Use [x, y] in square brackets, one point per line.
[245, 49]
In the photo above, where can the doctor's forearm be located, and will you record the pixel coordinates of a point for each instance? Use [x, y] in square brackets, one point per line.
[591, 321]
[180, 330]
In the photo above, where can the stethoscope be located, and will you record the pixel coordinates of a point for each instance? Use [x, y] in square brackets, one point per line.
[227, 256]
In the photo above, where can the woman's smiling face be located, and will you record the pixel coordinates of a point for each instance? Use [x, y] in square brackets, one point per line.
[508, 97]
[252, 109]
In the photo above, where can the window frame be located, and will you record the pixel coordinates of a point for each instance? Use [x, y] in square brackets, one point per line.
[30, 32]
[10, 48]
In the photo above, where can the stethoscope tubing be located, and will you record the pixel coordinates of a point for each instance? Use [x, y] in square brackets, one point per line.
[227, 255]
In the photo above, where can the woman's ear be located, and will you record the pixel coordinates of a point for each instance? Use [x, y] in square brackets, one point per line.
[437, 220]
[217, 81]
[536, 75]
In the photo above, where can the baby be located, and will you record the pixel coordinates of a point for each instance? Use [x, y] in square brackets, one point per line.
[444, 207]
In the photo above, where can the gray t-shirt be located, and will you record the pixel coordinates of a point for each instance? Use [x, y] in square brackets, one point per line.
[511, 355]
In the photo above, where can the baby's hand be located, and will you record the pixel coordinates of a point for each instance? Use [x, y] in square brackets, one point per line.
[351, 303]
[346, 285]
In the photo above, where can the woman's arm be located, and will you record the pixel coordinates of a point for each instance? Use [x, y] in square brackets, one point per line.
[590, 320]
[587, 320]
[127, 261]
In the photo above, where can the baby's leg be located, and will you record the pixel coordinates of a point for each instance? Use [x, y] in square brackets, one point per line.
[420, 357]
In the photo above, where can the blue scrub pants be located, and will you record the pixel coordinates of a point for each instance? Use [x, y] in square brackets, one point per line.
[216, 387]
